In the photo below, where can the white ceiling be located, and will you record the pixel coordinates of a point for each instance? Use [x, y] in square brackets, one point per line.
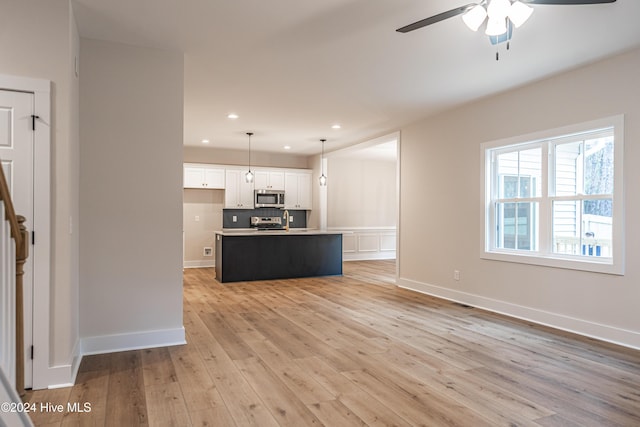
[292, 68]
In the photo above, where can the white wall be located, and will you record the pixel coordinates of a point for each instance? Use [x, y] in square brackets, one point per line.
[207, 206]
[441, 207]
[361, 192]
[40, 40]
[131, 196]
[240, 157]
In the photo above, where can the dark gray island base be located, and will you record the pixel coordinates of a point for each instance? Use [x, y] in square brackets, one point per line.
[258, 255]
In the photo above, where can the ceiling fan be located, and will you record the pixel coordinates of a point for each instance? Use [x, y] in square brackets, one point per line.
[501, 16]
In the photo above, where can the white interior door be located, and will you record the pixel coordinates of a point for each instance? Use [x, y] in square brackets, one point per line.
[16, 156]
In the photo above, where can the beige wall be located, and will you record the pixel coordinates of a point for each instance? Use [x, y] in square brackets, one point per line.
[361, 192]
[240, 157]
[440, 225]
[207, 206]
[39, 40]
[131, 190]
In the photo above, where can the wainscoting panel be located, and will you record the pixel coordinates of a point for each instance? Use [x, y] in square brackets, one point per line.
[349, 244]
[359, 244]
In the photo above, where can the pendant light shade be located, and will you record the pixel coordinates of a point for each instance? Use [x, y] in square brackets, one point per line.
[519, 13]
[248, 177]
[496, 27]
[323, 178]
[475, 17]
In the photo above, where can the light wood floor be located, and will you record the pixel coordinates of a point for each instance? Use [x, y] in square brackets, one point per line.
[351, 350]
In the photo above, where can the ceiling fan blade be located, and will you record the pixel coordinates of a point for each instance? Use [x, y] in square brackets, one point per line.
[568, 2]
[436, 18]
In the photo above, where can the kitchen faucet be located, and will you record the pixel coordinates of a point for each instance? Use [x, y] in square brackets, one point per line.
[286, 220]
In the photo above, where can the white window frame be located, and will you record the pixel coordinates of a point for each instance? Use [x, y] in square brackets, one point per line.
[544, 255]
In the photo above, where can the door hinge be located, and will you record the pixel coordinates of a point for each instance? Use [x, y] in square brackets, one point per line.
[31, 352]
[33, 237]
[33, 121]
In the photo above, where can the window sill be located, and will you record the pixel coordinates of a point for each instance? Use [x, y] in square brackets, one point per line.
[594, 265]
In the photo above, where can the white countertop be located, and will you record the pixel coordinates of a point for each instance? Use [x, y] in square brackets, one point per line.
[291, 232]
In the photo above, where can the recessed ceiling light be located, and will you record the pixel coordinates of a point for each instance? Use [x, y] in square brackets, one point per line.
[336, 126]
[232, 116]
[205, 141]
[287, 147]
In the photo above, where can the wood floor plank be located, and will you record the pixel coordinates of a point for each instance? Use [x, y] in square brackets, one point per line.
[125, 396]
[278, 398]
[243, 403]
[303, 385]
[351, 350]
[157, 367]
[166, 405]
[371, 411]
[335, 413]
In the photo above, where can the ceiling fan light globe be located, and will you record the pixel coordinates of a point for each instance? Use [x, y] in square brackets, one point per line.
[496, 27]
[519, 13]
[474, 17]
[498, 9]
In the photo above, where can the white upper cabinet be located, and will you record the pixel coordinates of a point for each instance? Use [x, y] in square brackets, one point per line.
[296, 183]
[269, 179]
[297, 190]
[203, 176]
[238, 193]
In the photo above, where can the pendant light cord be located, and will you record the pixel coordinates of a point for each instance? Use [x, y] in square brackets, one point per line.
[250, 134]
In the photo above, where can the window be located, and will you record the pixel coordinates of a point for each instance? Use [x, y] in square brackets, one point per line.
[555, 198]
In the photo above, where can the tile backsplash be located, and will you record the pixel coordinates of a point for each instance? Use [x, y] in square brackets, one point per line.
[243, 217]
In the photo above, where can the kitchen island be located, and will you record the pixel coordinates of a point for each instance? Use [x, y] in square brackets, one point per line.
[244, 255]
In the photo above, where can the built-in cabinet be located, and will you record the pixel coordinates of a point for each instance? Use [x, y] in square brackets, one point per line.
[238, 193]
[269, 179]
[203, 176]
[297, 189]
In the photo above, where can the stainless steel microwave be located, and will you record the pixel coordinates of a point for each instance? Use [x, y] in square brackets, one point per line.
[268, 199]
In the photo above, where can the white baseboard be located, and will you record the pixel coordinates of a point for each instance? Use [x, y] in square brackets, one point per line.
[199, 264]
[586, 328]
[363, 256]
[134, 341]
[60, 376]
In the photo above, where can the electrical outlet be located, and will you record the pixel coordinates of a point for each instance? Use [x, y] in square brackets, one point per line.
[208, 252]
[291, 218]
[197, 218]
[456, 275]
[234, 219]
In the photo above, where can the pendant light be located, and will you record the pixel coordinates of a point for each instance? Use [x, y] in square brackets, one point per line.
[323, 178]
[248, 177]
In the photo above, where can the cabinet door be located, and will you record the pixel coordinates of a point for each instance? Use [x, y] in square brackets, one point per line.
[261, 180]
[193, 177]
[269, 180]
[305, 199]
[245, 192]
[276, 180]
[291, 190]
[231, 191]
[214, 178]
[238, 193]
